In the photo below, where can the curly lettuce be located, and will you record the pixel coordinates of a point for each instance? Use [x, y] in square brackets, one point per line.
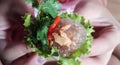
[84, 49]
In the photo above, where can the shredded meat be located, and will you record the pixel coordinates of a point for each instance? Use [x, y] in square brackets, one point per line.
[68, 37]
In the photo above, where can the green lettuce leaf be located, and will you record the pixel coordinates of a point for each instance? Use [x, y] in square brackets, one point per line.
[69, 61]
[27, 18]
[84, 49]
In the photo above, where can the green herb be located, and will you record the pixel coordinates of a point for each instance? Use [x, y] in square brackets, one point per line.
[51, 7]
[37, 29]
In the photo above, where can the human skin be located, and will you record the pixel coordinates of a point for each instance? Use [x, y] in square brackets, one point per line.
[100, 54]
[101, 49]
[115, 58]
[12, 30]
[113, 6]
[100, 17]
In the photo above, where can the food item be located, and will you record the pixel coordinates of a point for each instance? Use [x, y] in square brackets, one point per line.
[53, 26]
[68, 36]
[64, 36]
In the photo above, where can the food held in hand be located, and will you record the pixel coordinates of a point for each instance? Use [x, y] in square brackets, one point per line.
[50, 34]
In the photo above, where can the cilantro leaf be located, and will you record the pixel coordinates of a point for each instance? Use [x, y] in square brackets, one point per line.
[42, 36]
[51, 7]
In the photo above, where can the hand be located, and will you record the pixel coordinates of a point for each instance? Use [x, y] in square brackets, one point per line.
[106, 36]
[28, 59]
[11, 30]
[102, 20]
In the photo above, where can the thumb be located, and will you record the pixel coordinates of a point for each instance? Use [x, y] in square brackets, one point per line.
[28, 59]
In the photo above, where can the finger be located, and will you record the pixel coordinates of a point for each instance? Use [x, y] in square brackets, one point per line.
[16, 11]
[103, 2]
[18, 8]
[114, 61]
[97, 13]
[1, 63]
[22, 6]
[33, 60]
[2, 45]
[11, 53]
[108, 39]
[28, 59]
[105, 40]
[117, 51]
[96, 60]
[3, 26]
